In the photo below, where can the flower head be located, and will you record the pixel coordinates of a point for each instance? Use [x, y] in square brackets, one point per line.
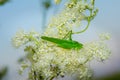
[49, 60]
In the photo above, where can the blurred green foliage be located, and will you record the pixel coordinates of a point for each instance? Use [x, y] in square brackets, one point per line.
[3, 72]
[47, 4]
[2, 2]
[113, 76]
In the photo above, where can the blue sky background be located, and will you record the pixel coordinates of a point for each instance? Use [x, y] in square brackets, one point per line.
[27, 15]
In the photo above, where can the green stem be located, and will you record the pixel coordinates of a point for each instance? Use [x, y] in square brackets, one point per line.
[83, 29]
[89, 18]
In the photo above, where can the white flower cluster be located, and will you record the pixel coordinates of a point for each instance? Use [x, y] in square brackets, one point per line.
[22, 38]
[48, 60]
[50, 57]
[19, 39]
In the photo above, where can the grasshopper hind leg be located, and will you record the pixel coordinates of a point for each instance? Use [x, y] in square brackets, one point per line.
[68, 36]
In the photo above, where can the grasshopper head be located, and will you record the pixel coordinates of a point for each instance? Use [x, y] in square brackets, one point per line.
[78, 45]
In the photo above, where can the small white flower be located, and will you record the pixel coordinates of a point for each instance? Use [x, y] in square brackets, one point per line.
[104, 36]
[57, 1]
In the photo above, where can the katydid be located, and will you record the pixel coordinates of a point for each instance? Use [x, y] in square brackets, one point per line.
[64, 43]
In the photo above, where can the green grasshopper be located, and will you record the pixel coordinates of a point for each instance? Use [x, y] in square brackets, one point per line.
[64, 43]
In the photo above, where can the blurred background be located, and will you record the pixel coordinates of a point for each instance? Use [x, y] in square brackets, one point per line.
[35, 15]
